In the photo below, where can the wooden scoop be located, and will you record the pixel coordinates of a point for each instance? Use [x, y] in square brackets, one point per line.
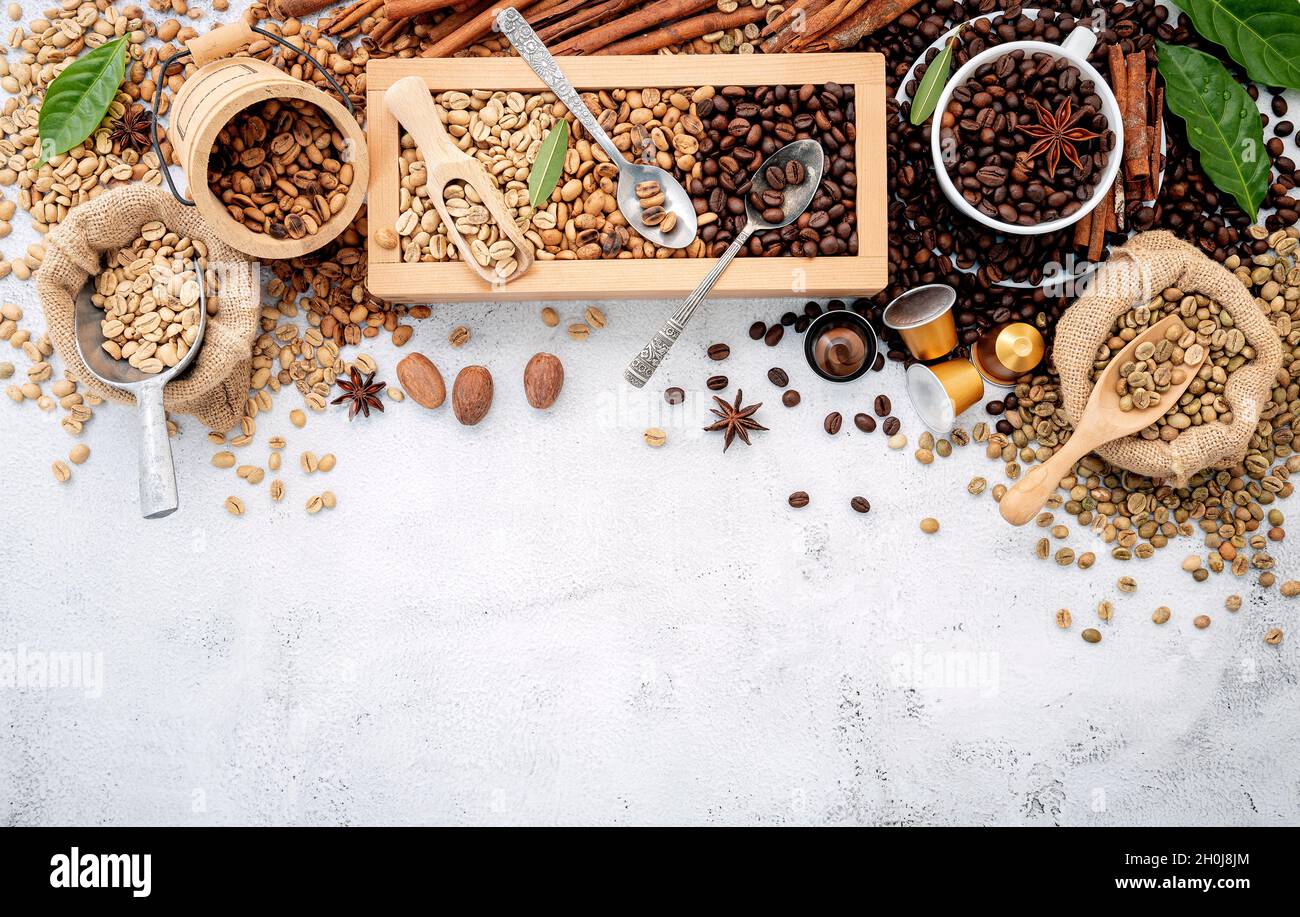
[412, 105]
[1102, 422]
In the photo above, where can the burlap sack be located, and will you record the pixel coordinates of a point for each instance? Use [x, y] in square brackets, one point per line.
[1139, 271]
[215, 386]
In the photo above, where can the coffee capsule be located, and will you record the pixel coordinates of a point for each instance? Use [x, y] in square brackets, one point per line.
[923, 318]
[941, 392]
[1006, 352]
[840, 345]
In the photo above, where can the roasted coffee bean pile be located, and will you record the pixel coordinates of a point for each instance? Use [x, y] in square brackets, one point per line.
[1025, 139]
[744, 126]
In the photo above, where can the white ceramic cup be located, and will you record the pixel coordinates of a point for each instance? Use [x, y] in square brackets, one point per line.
[1075, 49]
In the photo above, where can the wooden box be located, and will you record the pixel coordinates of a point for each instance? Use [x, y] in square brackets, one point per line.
[833, 276]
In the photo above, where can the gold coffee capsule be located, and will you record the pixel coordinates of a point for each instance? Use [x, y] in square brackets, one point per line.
[941, 392]
[1006, 352]
[923, 318]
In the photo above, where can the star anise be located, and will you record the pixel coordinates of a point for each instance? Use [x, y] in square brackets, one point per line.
[1058, 136]
[361, 393]
[735, 420]
[132, 130]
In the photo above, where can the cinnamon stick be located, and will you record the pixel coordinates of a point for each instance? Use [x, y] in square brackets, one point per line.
[828, 18]
[677, 33]
[793, 25]
[1157, 125]
[875, 15]
[1083, 230]
[1119, 77]
[404, 9]
[575, 17]
[355, 16]
[1097, 236]
[291, 9]
[646, 17]
[1137, 158]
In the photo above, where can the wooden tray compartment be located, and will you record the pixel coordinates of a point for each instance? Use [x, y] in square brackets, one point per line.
[840, 276]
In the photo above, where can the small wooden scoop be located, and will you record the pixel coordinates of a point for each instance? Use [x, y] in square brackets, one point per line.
[412, 105]
[1102, 422]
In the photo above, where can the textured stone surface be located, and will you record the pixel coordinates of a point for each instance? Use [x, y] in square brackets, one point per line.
[541, 620]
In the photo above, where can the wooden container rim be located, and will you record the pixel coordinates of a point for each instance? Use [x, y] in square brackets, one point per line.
[257, 244]
[863, 274]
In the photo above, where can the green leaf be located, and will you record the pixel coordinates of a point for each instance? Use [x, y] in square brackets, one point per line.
[79, 97]
[550, 163]
[1222, 123]
[1261, 35]
[936, 77]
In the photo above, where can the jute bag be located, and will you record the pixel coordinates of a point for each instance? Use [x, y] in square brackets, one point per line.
[215, 387]
[1147, 265]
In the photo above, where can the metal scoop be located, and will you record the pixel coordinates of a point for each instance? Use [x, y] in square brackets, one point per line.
[157, 472]
[797, 199]
[630, 174]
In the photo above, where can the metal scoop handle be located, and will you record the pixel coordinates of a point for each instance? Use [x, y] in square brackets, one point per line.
[158, 495]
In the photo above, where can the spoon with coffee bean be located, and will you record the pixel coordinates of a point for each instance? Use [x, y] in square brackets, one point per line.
[654, 203]
[778, 193]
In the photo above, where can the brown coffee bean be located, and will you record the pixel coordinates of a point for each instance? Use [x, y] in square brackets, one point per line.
[757, 330]
[832, 422]
[774, 335]
[674, 395]
[882, 406]
[717, 383]
[799, 499]
[860, 505]
[795, 172]
[891, 425]
[865, 422]
[719, 351]
[777, 376]
[790, 398]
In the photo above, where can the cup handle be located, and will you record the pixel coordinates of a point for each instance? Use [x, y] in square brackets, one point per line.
[1080, 42]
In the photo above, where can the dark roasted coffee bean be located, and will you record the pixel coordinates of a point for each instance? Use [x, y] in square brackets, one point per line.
[891, 426]
[790, 398]
[879, 364]
[798, 499]
[719, 351]
[777, 376]
[812, 309]
[865, 422]
[832, 422]
[774, 177]
[860, 505]
[795, 172]
[674, 395]
[882, 406]
[995, 407]
[757, 330]
[788, 318]
[716, 383]
[774, 335]
[801, 324]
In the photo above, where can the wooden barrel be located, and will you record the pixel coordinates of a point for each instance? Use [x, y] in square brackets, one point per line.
[222, 87]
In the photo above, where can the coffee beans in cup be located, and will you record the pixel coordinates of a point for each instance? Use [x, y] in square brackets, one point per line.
[1024, 139]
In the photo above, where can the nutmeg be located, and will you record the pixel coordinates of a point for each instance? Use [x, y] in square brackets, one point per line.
[543, 379]
[421, 380]
[471, 394]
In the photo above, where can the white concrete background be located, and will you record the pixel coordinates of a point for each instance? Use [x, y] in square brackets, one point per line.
[543, 621]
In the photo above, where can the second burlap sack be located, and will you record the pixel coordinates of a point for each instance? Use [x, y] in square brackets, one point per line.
[215, 387]
[1138, 272]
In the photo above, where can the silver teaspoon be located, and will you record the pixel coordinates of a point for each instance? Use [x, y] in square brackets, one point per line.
[797, 199]
[157, 472]
[630, 174]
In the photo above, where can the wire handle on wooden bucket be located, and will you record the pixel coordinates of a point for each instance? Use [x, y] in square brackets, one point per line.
[219, 48]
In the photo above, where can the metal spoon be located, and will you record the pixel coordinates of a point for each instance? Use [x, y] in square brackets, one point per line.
[630, 174]
[797, 199]
[157, 472]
